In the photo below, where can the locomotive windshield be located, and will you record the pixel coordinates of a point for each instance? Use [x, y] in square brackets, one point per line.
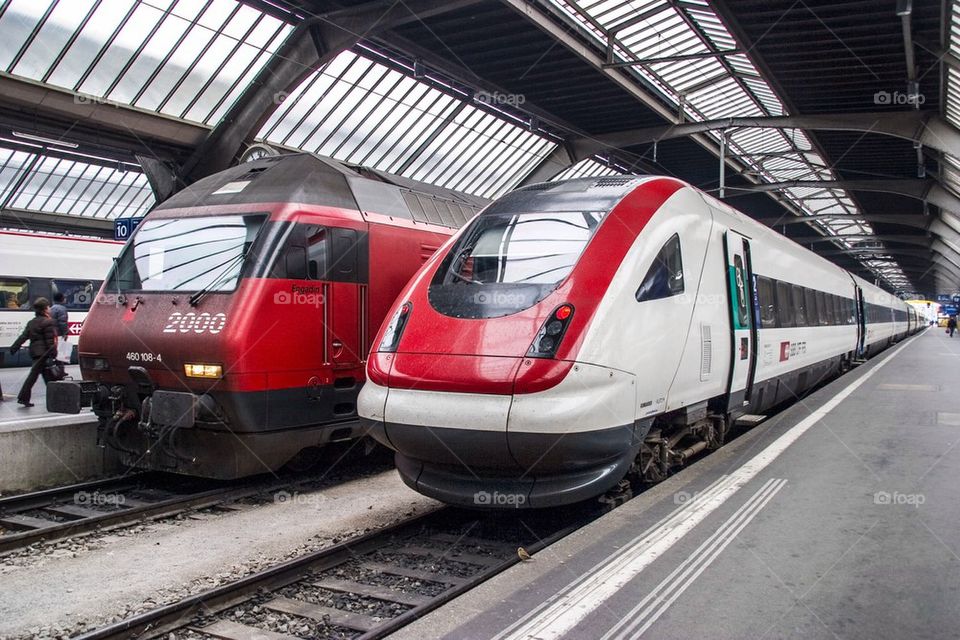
[505, 263]
[186, 254]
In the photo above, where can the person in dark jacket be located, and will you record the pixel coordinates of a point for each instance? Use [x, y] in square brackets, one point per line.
[41, 331]
[952, 325]
[59, 314]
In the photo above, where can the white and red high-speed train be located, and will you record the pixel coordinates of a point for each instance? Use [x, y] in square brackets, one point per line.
[578, 331]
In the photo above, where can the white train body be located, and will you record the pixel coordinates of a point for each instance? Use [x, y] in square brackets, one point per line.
[34, 265]
[704, 315]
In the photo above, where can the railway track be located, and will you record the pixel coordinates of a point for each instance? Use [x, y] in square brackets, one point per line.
[63, 512]
[362, 588]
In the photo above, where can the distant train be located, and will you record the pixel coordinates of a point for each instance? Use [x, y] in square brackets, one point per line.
[233, 332]
[34, 265]
[577, 332]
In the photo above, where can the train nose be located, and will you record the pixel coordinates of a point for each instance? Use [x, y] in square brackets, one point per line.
[465, 424]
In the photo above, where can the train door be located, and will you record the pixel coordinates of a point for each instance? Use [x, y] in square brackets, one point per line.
[344, 299]
[743, 324]
[861, 320]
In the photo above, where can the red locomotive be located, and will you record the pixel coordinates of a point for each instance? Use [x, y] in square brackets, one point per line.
[233, 330]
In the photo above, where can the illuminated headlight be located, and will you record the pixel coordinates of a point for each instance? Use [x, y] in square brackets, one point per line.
[96, 364]
[203, 370]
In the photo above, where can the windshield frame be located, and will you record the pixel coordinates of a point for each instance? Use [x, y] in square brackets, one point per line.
[110, 283]
[450, 294]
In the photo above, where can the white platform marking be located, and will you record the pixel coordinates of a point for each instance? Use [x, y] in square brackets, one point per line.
[573, 603]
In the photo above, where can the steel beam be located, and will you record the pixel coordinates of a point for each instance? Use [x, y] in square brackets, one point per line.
[56, 222]
[924, 127]
[921, 189]
[98, 126]
[161, 176]
[904, 220]
[891, 251]
[558, 160]
[312, 44]
[905, 239]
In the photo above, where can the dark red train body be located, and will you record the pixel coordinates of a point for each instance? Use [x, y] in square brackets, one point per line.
[233, 331]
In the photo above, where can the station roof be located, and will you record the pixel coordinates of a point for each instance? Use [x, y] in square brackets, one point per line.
[835, 121]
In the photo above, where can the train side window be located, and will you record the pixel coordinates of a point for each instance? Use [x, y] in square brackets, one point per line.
[14, 293]
[343, 255]
[785, 313]
[810, 300]
[296, 259]
[799, 305]
[78, 294]
[768, 304]
[823, 313]
[665, 276]
[834, 308]
[317, 252]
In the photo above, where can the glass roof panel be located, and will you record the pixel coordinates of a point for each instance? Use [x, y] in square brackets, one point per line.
[723, 84]
[189, 58]
[587, 168]
[35, 181]
[359, 110]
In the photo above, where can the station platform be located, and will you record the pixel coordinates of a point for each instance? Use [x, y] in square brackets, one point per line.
[837, 518]
[40, 449]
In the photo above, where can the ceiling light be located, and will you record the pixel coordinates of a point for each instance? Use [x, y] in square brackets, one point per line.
[30, 136]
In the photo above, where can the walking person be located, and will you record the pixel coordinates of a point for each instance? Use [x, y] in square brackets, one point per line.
[952, 325]
[41, 331]
[59, 314]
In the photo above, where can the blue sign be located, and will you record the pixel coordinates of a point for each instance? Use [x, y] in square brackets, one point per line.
[123, 228]
[943, 298]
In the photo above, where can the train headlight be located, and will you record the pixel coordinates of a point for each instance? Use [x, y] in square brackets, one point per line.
[203, 370]
[551, 333]
[391, 337]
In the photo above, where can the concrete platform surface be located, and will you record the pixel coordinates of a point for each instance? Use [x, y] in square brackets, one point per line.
[39, 449]
[838, 518]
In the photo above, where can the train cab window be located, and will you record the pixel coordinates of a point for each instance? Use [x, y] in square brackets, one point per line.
[768, 304]
[14, 293]
[186, 254]
[78, 294]
[665, 276]
[785, 307]
[503, 263]
[799, 305]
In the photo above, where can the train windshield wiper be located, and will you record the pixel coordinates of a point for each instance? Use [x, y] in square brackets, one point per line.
[228, 267]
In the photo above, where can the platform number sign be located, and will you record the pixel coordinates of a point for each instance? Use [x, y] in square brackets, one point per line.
[123, 228]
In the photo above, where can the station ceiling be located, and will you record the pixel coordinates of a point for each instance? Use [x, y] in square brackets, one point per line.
[836, 122]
